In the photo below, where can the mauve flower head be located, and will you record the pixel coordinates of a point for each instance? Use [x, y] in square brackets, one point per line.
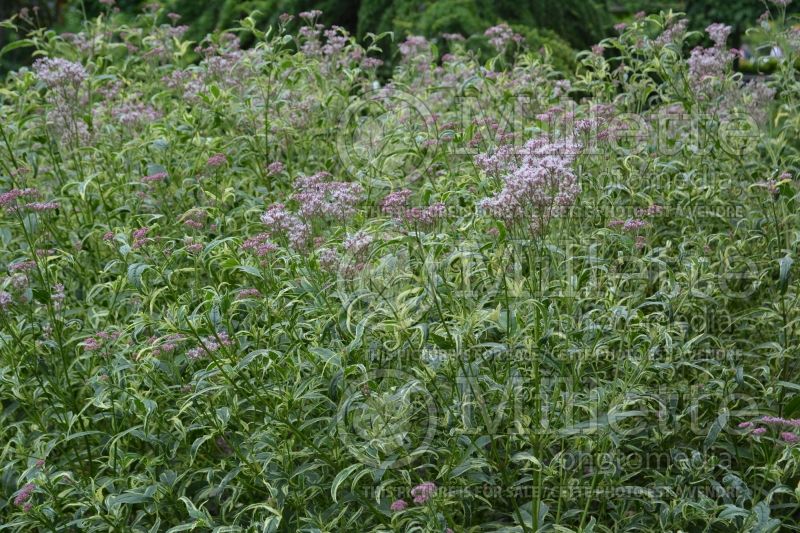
[58, 72]
[91, 345]
[108, 236]
[194, 247]
[135, 113]
[19, 281]
[398, 505]
[166, 344]
[759, 431]
[789, 437]
[719, 33]
[501, 35]
[276, 167]
[780, 421]
[5, 300]
[620, 27]
[328, 199]
[358, 243]
[371, 62]
[216, 160]
[425, 216]
[42, 206]
[423, 492]
[209, 345]
[140, 238]
[25, 494]
[539, 183]
[8, 199]
[281, 222]
[413, 45]
[329, 259]
[158, 176]
[745, 425]
[673, 32]
[260, 244]
[24, 266]
[395, 203]
[248, 293]
[311, 15]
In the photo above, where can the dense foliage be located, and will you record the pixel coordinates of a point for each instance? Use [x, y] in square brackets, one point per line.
[262, 289]
[555, 24]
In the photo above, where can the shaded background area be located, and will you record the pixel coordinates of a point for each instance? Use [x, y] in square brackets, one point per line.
[562, 25]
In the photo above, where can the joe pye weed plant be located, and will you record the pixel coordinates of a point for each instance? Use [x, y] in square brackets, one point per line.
[268, 288]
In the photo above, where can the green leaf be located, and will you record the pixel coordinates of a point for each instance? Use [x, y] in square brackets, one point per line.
[716, 428]
[135, 272]
[22, 43]
[341, 477]
[786, 266]
[127, 498]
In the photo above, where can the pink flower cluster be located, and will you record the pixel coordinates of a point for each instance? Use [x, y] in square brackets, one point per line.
[276, 167]
[140, 238]
[58, 72]
[99, 340]
[243, 294]
[216, 160]
[158, 176]
[166, 344]
[281, 222]
[501, 35]
[398, 506]
[775, 421]
[395, 204]
[328, 199]
[5, 300]
[706, 64]
[423, 492]
[209, 345]
[673, 32]
[134, 113]
[24, 266]
[414, 45]
[195, 218]
[357, 244]
[260, 244]
[538, 187]
[23, 497]
[780, 421]
[8, 199]
[633, 225]
[311, 15]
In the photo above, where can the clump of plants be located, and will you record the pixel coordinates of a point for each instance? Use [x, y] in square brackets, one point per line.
[263, 288]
